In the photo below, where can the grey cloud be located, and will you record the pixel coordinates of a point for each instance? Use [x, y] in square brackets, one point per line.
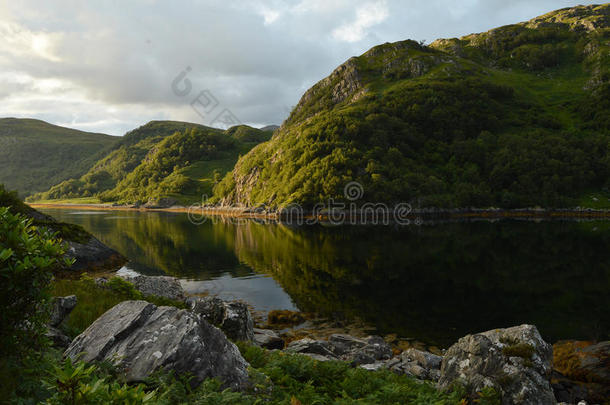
[122, 56]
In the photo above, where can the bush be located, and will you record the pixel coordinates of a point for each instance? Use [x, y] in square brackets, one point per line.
[28, 257]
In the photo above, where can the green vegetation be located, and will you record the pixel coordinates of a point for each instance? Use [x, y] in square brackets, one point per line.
[28, 257]
[518, 116]
[34, 155]
[94, 300]
[162, 159]
[34, 373]
[66, 231]
[522, 350]
[278, 378]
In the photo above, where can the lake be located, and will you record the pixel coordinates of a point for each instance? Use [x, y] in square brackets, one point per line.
[433, 283]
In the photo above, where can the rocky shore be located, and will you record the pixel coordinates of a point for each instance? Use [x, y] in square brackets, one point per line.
[141, 338]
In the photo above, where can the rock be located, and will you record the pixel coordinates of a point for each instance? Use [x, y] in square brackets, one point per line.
[514, 361]
[346, 348]
[582, 371]
[161, 286]
[233, 318]
[93, 255]
[140, 338]
[344, 344]
[268, 339]
[61, 308]
[310, 346]
[376, 348]
[58, 338]
[318, 357]
[378, 365]
[417, 363]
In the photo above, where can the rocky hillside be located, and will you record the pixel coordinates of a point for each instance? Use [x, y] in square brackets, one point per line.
[516, 116]
[34, 154]
[161, 160]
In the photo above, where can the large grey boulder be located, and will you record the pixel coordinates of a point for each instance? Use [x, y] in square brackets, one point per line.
[233, 318]
[140, 338]
[160, 286]
[515, 361]
[61, 308]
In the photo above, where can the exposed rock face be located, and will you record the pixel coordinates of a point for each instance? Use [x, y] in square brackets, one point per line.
[58, 338]
[161, 286]
[93, 255]
[232, 317]
[140, 338]
[61, 308]
[582, 371]
[344, 347]
[515, 361]
[268, 339]
[417, 363]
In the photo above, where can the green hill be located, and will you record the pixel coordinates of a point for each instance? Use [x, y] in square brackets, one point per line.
[162, 159]
[516, 116]
[34, 154]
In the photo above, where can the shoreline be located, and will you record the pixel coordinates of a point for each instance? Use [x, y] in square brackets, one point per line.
[420, 214]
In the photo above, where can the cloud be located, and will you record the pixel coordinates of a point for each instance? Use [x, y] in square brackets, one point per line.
[367, 16]
[109, 66]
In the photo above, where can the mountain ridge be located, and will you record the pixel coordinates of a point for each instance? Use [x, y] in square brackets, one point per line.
[399, 118]
[36, 154]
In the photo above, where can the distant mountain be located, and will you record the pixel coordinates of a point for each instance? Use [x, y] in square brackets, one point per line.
[516, 116]
[34, 154]
[162, 159]
[270, 128]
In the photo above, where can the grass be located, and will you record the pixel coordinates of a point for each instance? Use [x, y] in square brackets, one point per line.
[80, 200]
[93, 300]
[595, 199]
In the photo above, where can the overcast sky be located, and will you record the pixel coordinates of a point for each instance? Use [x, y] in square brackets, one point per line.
[111, 66]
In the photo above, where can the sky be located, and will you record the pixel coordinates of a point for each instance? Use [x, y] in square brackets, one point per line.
[111, 66]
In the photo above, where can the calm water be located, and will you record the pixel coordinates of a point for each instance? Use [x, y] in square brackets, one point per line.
[432, 283]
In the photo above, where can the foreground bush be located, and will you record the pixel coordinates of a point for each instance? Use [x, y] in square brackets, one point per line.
[28, 256]
[277, 378]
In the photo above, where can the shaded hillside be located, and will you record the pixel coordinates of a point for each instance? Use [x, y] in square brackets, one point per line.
[516, 116]
[162, 159]
[88, 252]
[34, 154]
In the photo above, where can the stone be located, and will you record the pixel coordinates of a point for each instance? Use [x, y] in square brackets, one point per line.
[233, 318]
[140, 338]
[515, 361]
[582, 371]
[417, 363]
[268, 339]
[160, 286]
[378, 365]
[58, 338]
[61, 308]
[311, 346]
[343, 344]
[92, 255]
[347, 348]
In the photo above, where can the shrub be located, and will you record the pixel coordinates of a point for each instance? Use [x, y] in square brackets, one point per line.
[28, 257]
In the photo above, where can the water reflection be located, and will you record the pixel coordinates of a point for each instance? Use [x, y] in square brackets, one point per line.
[433, 283]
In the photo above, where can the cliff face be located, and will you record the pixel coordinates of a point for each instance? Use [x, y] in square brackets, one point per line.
[442, 124]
